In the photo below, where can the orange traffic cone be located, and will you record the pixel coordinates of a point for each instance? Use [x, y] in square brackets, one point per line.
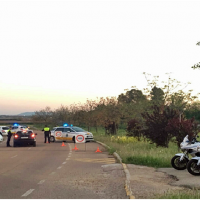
[75, 148]
[63, 145]
[98, 150]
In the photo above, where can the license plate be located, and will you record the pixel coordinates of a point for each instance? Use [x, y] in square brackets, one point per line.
[24, 137]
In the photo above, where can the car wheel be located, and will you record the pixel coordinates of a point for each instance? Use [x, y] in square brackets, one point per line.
[14, 144]
[52, 139]
[34, 144]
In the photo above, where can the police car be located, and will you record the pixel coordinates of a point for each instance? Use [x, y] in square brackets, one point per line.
[68, 133]
[16, 127]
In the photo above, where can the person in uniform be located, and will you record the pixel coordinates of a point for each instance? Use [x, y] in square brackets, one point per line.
[47, 133]
[9, 136]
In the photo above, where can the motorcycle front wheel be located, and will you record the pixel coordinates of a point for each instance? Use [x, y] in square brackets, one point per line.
[193, 168]
[179, 164]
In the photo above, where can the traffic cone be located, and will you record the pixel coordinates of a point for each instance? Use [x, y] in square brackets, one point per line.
[63, 145]
[75, 148]
[98, 150]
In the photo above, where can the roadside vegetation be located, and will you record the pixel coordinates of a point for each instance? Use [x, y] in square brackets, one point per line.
[145, 127]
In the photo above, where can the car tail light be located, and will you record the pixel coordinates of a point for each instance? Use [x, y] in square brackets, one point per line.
[16, 136]
[33, 135]
[3, 131]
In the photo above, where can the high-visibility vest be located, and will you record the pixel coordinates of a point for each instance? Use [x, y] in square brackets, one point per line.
[46, 129]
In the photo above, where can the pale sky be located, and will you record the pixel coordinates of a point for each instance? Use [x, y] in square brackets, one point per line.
[55, 53]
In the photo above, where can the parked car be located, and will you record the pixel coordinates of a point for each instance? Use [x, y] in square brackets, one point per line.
[1, 138]
[4, 130]
[26, 137]
[17, 127]
[68, 133]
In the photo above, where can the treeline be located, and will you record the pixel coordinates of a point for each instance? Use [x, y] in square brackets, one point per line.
[156, 113]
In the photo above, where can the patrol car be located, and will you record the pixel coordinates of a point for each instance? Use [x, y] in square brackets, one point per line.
[17, 127]
[68, 133]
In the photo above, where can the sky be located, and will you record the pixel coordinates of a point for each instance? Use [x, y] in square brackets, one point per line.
[55, 53]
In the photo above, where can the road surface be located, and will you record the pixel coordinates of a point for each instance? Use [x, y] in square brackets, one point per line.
[53, 171]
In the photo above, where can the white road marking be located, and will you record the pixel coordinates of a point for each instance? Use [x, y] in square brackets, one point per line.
[42, 181]
[29, 148]
[14, 156]
[59, 167]
[28, 192]
[64, 163]
[67, 158]
[52, 173]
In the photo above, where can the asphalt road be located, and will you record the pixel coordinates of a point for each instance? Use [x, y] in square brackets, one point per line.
[53, 171]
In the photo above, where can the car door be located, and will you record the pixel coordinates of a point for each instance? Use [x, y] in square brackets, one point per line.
[68, 134]
[59, 133]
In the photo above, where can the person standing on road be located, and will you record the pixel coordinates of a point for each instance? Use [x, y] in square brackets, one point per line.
[47, 133]
[9, 136]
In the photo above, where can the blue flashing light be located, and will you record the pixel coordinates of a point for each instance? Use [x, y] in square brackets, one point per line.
[71, 124]
[65, 124]
[15, 124]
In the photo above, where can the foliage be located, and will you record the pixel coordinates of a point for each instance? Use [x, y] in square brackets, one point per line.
[133, 95]
[134, 128]
[180, 128]
[43, 116]
[140, 152]
[183, 194]
[193, 111]
[156, 125]
[157, 96]
[196, 66]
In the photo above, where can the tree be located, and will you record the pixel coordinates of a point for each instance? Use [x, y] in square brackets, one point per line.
[131, 96]
[156, 124]
[43, 115]
[157, 96]
[134, 128]
[179, 129]
[61, 115]
[196, 66]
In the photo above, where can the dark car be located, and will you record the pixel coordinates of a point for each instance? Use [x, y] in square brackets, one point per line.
[22, 138]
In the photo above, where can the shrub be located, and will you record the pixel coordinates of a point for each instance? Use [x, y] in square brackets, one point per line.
[156, 124]
[134, 129]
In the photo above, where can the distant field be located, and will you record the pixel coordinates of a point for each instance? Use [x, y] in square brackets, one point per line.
[10, 122]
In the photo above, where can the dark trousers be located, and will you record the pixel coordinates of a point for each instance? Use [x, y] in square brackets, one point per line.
[8, 140]
[46, 135]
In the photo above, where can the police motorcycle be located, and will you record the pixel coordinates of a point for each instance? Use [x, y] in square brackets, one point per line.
[180, 160]
[193, 165]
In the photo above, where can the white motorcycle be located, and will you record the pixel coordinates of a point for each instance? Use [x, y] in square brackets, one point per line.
[180, 160]
[193, 165]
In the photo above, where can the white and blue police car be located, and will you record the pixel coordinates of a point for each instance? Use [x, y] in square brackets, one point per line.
[69, 133]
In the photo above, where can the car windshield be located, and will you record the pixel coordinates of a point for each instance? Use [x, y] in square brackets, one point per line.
[77, 129]
[15, 127]
[5, 128]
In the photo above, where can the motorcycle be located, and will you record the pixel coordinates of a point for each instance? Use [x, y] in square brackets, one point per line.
[180, 160]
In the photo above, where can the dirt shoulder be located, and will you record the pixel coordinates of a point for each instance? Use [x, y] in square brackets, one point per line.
[148, 183]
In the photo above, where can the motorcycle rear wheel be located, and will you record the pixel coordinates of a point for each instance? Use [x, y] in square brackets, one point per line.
[179, 164]
[193, 168]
